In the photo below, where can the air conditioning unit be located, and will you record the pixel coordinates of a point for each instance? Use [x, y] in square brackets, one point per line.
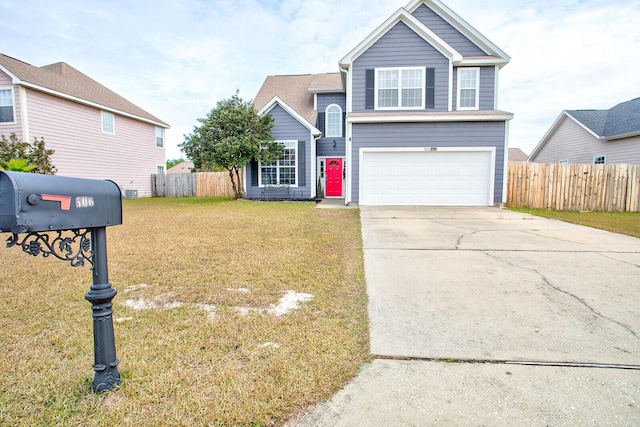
[130, 194]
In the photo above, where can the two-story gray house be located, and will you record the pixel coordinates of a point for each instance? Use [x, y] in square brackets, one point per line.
[411, 118]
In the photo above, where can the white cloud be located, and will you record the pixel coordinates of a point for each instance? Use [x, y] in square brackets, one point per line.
[177, 59]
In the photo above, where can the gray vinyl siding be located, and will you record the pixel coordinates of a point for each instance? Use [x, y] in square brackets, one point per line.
[572, 142]
[487, 88]
[401, 47]
[446, 32]
[459, 134]
[324, 146]
[326, 99]
[286, 128]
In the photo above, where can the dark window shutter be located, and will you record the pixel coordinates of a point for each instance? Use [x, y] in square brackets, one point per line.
[369, 89]
[430, 88]
[344, 124]
[302, 179]
[254, 173]
[321, 122]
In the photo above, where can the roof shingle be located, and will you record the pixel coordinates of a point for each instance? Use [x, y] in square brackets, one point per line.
[297, 91]
[617, 122]
[66, 80]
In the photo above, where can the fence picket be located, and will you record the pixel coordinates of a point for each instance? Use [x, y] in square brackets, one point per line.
[201, 184]
[576, 187]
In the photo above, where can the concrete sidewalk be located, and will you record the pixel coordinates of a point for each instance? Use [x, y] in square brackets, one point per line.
[493, 285]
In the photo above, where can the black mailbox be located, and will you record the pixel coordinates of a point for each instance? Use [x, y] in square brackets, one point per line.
[33, 203]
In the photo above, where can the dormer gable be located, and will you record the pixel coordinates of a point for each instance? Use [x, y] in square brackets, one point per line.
[278, 102]
[422, 7]
[401, 15]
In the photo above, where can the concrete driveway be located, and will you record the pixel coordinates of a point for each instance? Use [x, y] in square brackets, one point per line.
[491, 284]
[552, 309]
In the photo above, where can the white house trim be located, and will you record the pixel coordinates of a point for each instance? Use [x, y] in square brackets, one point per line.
[415, 118]
[24, 114]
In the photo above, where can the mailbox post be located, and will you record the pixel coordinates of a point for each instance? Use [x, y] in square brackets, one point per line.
[44, 207]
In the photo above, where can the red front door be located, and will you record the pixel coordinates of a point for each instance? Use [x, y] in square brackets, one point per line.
[334, 178]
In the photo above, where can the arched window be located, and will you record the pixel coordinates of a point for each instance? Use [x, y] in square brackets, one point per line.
[333, 121]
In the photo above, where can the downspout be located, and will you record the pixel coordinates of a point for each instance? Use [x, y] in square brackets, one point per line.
[24, 116]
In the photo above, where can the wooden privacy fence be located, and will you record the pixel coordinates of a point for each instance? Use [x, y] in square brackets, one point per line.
[574, 187]
[200, 184]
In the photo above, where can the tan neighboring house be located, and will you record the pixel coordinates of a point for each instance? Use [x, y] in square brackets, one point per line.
[593, 136]
[95, 132]
[517, 155]
[182, 167]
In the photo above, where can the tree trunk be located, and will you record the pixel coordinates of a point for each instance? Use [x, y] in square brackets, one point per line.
[233, 184]
[240, 192]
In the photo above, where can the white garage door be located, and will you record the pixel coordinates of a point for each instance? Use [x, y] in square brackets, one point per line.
[431, 178]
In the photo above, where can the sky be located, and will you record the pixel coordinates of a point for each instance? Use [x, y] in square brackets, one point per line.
[177, 58]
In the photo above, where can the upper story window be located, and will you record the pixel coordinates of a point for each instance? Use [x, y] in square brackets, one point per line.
[108, 123]
[159, 137]
[160, 170]
[333, 121]
[6, 105]
[399, 88]
[468, 88]
[282, 171]
[600, 160]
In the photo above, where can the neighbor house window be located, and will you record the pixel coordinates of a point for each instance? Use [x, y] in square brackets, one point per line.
[333, 121]
[600, 160]
[160, 170]
[159, 137]
[282, 171]
[6, 105]
[399, 88]
[564, 162]
[468, 88]
[108, 122]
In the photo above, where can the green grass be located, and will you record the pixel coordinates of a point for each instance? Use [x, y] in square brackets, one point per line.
[180, 366]
[619, 222]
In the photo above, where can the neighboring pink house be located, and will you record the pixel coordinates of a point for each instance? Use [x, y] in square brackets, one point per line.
[95, 132]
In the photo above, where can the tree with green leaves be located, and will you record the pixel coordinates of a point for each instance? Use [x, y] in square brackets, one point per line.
[20, 155]
[232, 135]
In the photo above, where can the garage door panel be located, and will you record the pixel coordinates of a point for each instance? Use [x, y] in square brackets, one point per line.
[446, 178]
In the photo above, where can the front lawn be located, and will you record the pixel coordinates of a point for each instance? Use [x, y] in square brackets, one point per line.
[201, 331]
[619, 222]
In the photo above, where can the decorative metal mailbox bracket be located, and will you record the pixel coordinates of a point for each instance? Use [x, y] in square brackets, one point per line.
[76, 249]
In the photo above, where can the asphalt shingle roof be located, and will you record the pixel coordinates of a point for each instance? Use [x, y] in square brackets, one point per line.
[64, 79]
[297, 91]
[619, 121]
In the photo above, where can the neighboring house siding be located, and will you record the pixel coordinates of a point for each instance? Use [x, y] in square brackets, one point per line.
[401, 47]
[82, 150]
[487, 88]
[7, 129]
[287, 128]
[325, 146]
[446, 32]
[572, 142]
[459, 134]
